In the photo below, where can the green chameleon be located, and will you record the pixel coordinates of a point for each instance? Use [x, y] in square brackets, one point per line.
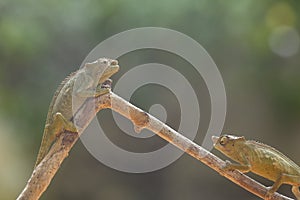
[70, 95]
[260, 159]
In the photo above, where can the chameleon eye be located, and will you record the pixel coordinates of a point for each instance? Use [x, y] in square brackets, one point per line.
[223, 140]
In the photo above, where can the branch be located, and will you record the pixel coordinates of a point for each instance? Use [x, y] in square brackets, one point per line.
[45, 171]
[141, 119]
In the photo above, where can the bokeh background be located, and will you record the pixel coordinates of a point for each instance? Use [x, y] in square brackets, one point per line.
[255, 45]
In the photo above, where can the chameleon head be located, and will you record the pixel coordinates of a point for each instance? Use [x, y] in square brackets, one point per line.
[103, 68]
[226, 143]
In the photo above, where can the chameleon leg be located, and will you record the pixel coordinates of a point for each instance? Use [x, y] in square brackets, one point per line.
[288, 179]
[274, 188]
[295, 182]
[244, 168]
[60, 123]
[296, 192]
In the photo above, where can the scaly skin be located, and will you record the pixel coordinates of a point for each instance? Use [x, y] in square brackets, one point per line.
[70, 95]
[260, 159]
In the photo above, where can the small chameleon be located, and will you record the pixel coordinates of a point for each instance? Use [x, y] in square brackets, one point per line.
[260, 159]
[70, 95]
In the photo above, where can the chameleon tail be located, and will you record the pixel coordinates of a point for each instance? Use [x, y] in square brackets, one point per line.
[48, 139]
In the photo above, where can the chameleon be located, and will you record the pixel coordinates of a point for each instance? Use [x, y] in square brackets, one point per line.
[260, 159]
[86, 82]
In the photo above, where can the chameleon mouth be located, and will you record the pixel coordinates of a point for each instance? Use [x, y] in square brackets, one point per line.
[215, 139]
[109, 71]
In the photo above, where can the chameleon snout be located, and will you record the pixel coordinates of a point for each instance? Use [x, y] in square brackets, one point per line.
[114, 62]
[215, 139]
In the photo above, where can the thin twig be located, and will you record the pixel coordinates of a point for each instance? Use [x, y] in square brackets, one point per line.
[46, 170]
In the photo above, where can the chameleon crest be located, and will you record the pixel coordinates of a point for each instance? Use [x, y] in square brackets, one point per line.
[260, 159]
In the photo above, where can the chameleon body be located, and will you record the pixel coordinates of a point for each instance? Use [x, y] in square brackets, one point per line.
[70, 95]
[260, 159]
